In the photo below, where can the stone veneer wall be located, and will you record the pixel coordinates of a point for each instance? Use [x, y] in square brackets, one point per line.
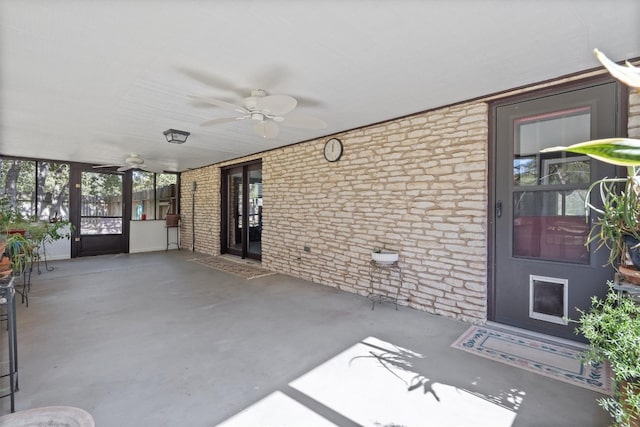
[206, 200]
[633, 124]
[417, 185]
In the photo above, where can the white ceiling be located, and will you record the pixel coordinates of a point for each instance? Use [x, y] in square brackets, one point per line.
[94, 80]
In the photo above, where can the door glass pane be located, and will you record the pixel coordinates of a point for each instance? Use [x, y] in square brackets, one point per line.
[549, 215]
[101, 204]
[255, 211]
[550, 225]
[536, 133]
[234, 215]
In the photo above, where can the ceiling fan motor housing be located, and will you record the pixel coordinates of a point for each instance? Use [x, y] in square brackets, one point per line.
[134, 159]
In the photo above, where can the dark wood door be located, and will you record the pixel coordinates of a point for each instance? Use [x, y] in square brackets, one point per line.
[542, 268]
[99, 208]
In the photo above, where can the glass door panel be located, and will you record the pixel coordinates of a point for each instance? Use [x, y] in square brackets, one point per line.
[549, 216]
[101, 204]
[242, 214]
[254, 246]
[234, 212]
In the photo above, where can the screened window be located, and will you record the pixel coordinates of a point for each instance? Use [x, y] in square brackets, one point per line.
[166, 194]
[142, 198]
[38, 189]
[153, 195]
[53, 190]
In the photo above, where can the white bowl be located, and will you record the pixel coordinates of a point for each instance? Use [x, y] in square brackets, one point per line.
[384, 257]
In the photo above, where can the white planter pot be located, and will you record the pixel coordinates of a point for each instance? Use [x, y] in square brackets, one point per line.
[384, 257]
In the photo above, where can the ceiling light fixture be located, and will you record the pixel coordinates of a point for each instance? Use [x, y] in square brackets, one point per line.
[175, 136]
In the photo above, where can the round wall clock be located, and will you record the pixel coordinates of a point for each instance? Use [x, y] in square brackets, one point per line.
[333, 150]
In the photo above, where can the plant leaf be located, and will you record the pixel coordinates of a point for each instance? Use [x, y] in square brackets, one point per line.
[617, 151]
[629, 75]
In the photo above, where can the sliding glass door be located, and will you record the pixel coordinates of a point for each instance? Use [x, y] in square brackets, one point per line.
[242, 210]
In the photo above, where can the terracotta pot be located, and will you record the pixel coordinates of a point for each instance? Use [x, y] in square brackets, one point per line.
[172, 220]
[5, 263]
[631, 274]
[624, 390]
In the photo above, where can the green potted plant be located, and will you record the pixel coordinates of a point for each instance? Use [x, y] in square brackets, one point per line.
[618, 224]
[19, 250]
[612, 326]
[13, 236]
[41, 232]
[11, 219]
[618, 227]
[49, 231]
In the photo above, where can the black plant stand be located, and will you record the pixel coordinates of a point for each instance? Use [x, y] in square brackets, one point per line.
[8, 303]
[377, 271]
[630, 290]
[177, 241]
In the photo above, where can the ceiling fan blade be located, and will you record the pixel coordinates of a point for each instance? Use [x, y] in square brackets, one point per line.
[300, 120]
[104, 166]
[152, 169]
[307, 101]
[276, 105]
[220, 120]
[269, 76]
[214, 81]
[124, 168]
[266, 129]
[219, 103]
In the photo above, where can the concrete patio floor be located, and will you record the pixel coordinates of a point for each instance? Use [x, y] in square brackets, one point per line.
[154, 340]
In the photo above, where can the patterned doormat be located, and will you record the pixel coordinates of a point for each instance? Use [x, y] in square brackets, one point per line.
[246, 269]
[548, 358]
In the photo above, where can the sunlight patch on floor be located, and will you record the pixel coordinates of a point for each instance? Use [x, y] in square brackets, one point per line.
[376, 384]
[277, 410]
[373, 384]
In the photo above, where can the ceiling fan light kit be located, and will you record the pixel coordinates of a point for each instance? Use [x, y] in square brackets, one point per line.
[175, 136]
[265, 111]
[133, 161]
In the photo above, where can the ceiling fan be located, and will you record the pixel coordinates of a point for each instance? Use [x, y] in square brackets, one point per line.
[133, 161]
[266, 113]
